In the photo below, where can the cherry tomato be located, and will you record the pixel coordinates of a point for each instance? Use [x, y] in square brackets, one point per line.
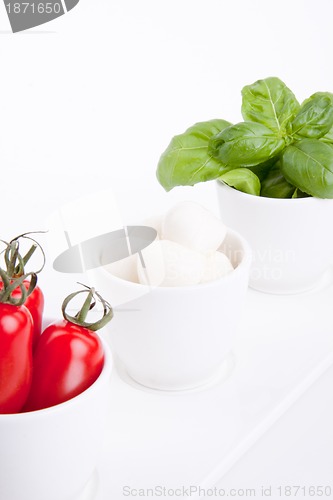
[15, 269]
[16, 333]
[69, 355]
[35, 303]
[67, 360]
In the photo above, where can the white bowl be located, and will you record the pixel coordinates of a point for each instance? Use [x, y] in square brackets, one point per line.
[291, 239]
[174, 338]
[51, 454]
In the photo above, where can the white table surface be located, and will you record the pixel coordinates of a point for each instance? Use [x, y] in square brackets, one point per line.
[196, 438]
[284, 351]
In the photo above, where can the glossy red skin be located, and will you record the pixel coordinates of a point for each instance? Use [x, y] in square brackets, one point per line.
[16, 333]
[35, 304]
[68, 358]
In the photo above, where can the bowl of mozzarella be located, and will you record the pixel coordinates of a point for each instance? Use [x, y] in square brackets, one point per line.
[178, 301]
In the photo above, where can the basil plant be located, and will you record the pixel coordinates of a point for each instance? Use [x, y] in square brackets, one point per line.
[282, 149]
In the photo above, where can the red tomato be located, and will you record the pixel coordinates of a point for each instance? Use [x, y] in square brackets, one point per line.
[16, 332]
[67, 360]
[35, 304]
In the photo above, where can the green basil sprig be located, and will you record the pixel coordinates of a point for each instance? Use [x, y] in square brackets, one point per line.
[315, 117]
[308, 164]
[243, 180]
[281, 150]
[328, 138]
[275, 185]
[186, 160]
[271, 103]
[246, 144]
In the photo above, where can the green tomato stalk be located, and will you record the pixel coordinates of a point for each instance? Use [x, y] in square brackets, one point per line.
[80, 318]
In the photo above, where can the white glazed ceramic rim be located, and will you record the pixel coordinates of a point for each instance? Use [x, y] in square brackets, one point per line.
[259, 199]
[245, 263]
[104, 375]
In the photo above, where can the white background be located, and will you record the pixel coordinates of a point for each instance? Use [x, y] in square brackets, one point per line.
[91, 100]
[94, 97]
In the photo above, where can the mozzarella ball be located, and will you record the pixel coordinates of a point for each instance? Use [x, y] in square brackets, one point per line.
[217, 266]
[155, 221]
[125, 269]
[166, 263]
[193, 226]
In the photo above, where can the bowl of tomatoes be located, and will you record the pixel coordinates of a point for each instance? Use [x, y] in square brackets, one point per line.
[52, 453]
[54, 396]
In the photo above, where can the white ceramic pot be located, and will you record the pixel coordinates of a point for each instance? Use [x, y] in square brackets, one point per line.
[291, 239]
[50, 454]
[174, 338]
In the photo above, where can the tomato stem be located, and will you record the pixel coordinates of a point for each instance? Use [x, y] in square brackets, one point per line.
[19, 268]
[89, 303]
[11, 257]
[82, 314]
[9, 286]
[27, 257]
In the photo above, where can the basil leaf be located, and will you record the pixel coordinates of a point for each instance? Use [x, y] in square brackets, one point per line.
[308, 165]
[243, 180]
[315, 118]
[245, 144]
[275, 184]
[328, 138]
[186, 160]
[271, 103]
[262, 169]
[299, 194]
